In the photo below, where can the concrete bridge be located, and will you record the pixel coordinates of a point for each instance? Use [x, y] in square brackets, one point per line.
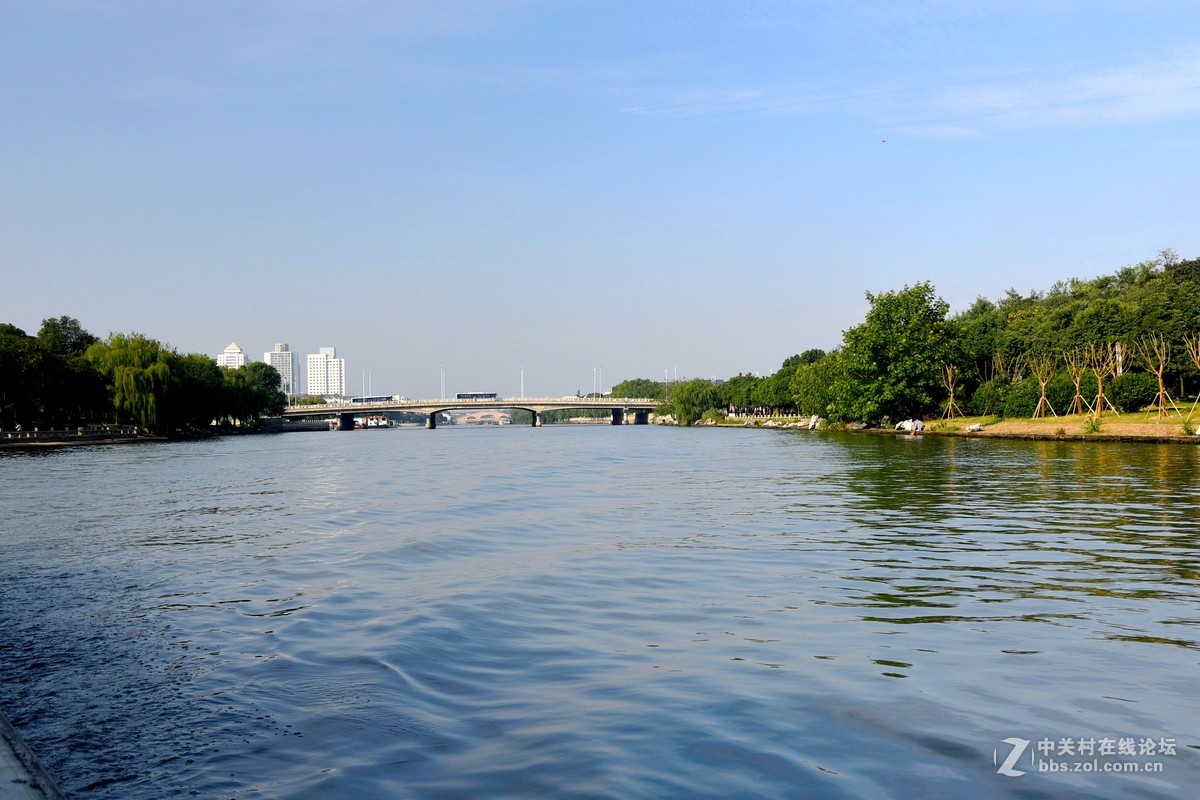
[636, 409]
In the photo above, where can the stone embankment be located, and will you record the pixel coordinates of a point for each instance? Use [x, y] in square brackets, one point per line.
[68, 436]
[22, 776]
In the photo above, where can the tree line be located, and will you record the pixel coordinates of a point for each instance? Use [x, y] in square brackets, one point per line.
[64, 376]
[1116, 342]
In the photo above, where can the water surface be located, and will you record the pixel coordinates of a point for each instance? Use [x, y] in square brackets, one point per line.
[598, 612]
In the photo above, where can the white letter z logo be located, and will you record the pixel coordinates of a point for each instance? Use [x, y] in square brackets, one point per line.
[1018, 749]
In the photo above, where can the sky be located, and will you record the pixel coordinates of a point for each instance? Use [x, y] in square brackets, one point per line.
[482, 188]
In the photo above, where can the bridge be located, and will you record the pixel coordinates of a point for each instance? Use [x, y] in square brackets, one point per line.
[637, 409]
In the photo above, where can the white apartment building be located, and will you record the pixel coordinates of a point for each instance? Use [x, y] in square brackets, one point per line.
[233, 357]
[284, 362]
[326, 373]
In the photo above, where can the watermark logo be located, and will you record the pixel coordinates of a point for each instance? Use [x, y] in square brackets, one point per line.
[1018, 749]
[1128, 754]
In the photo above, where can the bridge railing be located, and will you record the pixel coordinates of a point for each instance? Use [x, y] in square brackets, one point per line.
[449, 401]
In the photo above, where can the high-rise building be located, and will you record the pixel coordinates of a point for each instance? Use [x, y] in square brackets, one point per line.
[233, 357]
[326, 373]
[284, 362]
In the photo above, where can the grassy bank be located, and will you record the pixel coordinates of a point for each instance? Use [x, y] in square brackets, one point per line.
[1139, 426]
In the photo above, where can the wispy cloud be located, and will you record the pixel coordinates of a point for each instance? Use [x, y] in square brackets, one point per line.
[1150, 91]
[1018, 98]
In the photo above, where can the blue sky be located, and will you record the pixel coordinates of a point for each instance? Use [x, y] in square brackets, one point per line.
[560, 186]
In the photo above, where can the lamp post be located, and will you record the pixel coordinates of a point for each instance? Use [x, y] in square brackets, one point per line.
[522, 382]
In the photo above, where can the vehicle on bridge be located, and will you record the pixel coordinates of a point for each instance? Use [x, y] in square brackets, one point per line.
[476, 396]
[382, 398]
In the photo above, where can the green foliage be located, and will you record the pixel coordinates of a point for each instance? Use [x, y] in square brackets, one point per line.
[774, 393]
[138, 375]
[815, 388]
[639, 388]
[252, 392]
[688, 400]
[990, 397]
[197, 391]
[1092, 424]
[64, 337]
[160, 390]
[893, 360]
[1021, 398]
[46, 381]
[740, 392]
[810, 356]
[1132, 391]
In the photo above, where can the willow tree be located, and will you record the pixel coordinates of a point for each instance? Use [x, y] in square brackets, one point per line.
[1043, 366]
[1156, 352]
[1077, 366]
[137, 371]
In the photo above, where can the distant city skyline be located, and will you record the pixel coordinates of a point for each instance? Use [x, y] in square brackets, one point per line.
[564, 187]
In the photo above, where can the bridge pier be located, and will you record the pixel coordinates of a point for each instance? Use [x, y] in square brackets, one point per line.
[537, 419]
[618, 416]
[346, 422]
[431, 421]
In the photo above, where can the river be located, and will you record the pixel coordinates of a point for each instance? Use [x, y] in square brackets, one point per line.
[590, 611]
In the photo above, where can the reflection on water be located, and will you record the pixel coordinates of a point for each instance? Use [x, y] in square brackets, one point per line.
[597, 612]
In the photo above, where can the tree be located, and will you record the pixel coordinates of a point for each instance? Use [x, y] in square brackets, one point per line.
[252, 392]
[1077, 361]
[198, 392]
[20, 360]
[138, 374]
[810, 356]
[688, 400]
[738, 393]
[774, 393]
[1102, 361]
[893, 360]
[950, 375]
[815, 388]
[65, 337]
[1156, 352]
[1043, 366]
[267, 382]
[638, 388]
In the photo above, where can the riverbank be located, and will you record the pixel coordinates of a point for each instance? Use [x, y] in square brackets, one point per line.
[71, 437]
[22, 776]
[1137, 427]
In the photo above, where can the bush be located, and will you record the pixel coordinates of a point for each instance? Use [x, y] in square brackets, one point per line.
[1132, 391]
[989, 397]
[1061, 391]
[1022, 398]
